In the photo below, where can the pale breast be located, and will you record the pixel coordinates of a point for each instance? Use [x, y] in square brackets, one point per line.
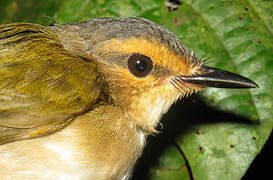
[72, 153]
[51, 157]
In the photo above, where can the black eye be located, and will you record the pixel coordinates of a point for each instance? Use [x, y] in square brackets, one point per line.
[140, 65]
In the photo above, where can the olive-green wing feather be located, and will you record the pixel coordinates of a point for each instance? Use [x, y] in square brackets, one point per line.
[42, 86]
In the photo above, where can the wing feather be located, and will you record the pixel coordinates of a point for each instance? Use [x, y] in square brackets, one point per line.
[40, 82]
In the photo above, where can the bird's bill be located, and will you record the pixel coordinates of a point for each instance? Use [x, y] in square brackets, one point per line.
[213, 77]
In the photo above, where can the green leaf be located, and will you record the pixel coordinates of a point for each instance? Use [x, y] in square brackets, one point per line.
[235, 36]
[220, 134]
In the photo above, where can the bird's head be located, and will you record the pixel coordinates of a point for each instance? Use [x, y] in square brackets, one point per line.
[145, 66]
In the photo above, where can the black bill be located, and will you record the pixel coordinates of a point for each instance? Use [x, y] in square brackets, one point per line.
[213, 77]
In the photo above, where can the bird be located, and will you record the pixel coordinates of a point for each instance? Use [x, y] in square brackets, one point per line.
[78, 100]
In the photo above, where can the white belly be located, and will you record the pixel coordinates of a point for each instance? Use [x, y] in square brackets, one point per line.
[43, 158]
[83, 150]
[59, 156]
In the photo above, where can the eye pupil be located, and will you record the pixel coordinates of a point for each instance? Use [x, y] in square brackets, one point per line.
[140, 65]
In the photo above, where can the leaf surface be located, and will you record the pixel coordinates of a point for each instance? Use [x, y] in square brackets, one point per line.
[221, 132]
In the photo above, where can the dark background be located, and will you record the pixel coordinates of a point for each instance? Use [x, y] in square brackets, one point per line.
[173, 127]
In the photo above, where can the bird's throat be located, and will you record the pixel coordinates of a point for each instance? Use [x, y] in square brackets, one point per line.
[147, 110]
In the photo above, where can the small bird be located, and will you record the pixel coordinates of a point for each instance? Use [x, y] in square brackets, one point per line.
[77, 101]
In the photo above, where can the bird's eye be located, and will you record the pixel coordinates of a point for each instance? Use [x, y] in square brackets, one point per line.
[140, 65]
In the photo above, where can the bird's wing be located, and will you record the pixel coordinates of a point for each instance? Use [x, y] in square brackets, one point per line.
[41, 84]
